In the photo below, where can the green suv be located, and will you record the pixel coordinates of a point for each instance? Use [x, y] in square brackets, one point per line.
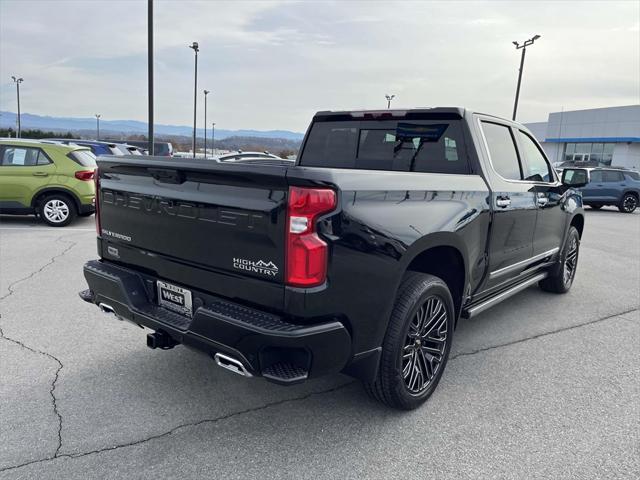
[51, 180]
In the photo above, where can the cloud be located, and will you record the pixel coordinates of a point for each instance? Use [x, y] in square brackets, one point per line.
[272, 64]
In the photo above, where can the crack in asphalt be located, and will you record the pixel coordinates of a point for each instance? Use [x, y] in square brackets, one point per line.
[52, 390]
[11, 290]
[298, 399]
[180, 427]
[544, 334]
[51, 261]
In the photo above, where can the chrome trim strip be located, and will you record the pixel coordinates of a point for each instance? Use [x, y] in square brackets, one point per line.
[522, 263]
[473, 311]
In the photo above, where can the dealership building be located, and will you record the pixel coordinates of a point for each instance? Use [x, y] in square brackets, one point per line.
[608, 136]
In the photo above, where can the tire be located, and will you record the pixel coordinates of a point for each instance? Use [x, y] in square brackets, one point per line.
[629, 203]
[561, 277]
[57, 210]
[417, 343]
[595, 207]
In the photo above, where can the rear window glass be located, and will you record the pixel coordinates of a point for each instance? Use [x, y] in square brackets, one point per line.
[611, 176]
[407, 146]
[83, 157]
[633, 175]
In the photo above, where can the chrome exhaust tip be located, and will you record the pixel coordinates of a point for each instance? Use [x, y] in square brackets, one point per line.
[231, 364]
[106, 308]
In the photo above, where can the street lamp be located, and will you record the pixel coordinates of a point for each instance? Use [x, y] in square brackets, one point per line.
[98, 125]
[389, 98]
[196, 49]
[206, 92]
[18, 81]
[213, 138]
[522, 46]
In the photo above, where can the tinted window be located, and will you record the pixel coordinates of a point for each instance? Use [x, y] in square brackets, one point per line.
[83, 157]
[574, 176]
[502, 150]
[613, 176]
[633, 175]
[20, 156]
[596, 176]
[535, 166]
[419, 146]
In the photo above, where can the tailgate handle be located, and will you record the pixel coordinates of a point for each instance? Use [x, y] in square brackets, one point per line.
[166, 175]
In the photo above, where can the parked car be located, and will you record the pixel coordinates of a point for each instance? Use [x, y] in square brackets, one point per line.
[608, 186]
[96, 146]
[360, 258]
[163, 149]
[52, 180]
[240, 155]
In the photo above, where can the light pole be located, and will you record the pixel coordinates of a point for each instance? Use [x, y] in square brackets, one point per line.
[196, 49]
[213, 138]
[98, 125]
[524, 50]
[206, 92]
[150, 71]
[18, 81]
[389, 98]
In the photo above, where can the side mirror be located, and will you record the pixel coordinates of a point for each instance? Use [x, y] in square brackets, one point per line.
[574, 178]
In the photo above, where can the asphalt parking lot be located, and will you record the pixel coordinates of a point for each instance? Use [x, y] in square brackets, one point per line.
[541, 386]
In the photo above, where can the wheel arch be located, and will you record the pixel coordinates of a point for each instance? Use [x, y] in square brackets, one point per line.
[578, 222]
[37, 198]
[445, 256]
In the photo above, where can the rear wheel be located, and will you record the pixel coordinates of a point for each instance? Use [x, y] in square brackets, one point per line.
[629, 203]
[561, 277]
[57, 210]
[417, 343]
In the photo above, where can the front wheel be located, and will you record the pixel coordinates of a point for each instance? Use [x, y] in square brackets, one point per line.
[561, 277]
[629, 203]
[417, 343]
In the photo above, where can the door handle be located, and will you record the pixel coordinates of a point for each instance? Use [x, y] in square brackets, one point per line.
[40, 174]
[503, 202]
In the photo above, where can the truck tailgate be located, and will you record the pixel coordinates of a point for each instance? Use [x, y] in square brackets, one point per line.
[201, 224]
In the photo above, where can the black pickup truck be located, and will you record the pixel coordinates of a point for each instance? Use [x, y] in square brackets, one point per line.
[360, 258]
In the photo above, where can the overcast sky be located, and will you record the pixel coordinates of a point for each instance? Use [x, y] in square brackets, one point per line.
[271, 65]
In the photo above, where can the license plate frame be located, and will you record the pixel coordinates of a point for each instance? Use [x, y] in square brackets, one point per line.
[175, 298]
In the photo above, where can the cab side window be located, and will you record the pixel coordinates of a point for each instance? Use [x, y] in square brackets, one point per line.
[536, 168]
[502, 150]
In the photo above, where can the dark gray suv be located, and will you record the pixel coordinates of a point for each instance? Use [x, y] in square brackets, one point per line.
[617, 187]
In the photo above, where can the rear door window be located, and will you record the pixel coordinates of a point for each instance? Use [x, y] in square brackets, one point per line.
[613, 176]
[596, 176]
[20, 156]
[502, 150]
[408, 146]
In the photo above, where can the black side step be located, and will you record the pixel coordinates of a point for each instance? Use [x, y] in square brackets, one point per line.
[475, 309]
[285, 373]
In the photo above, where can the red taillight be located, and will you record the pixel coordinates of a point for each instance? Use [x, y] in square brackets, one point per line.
[306, 251]
[85, 175]
[96, 201]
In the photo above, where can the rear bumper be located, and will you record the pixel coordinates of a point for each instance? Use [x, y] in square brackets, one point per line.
[266, 344]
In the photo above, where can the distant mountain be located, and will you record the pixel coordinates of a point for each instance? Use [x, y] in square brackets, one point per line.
[28, 120]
